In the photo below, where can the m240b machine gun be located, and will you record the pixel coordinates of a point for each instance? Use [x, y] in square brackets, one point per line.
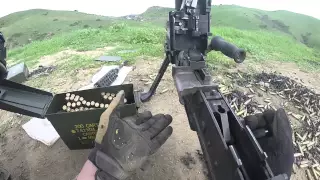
[229, 146]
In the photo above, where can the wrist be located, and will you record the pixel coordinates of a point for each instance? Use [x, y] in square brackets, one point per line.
[88, 171]
[106, 164]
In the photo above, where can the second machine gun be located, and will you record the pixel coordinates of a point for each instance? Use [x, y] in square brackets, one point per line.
[230, 148]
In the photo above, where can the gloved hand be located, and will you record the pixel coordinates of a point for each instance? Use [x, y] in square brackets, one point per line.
[278, 142]
[128, 142]
[3, 56]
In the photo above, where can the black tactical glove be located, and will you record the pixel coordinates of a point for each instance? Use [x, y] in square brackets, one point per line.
[128, 142]
[3, 56]
[278, 141]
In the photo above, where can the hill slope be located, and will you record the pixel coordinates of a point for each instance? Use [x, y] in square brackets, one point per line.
[26, 26]
[303, 28]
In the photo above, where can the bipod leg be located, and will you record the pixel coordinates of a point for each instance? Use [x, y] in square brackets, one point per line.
[146, 96]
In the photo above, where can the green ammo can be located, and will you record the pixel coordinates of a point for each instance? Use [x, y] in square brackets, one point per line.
[78, 128]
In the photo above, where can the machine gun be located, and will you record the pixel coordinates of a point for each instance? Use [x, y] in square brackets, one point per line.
[230, 148]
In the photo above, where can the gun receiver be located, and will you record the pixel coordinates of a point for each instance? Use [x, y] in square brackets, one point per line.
[230, 149]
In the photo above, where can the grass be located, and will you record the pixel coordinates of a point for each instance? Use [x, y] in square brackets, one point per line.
[148, 41]
[262, 46]
[89, 39]
[300, 27]
[28, 26]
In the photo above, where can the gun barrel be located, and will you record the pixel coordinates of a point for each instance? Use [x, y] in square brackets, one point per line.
[219, 44]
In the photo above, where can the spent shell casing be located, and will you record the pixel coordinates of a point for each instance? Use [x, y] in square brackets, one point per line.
[81, 108]
[92, 103]
[300, 149]
[68, 95]
[262, 89]
[103, 93]
[64, 107]
[86, 108]
[272, 93]
[164, 91]
[110, 98]
[81, 99]
[67, 98]
[69, 104]
[305, 162]
[71, 110]
[106, 105]
[101, 105]
[105, 97]
[96, 104]
[78, 103]
[68, 109]
[88, 104]
[125, 100]
[314, 172]
[113, 94]
[251, 96]
[304, 136]
[308, 174]
[247, 102]
[76, 109]
[73, 104]
[107, 94]
[297, 155]
[84, 102]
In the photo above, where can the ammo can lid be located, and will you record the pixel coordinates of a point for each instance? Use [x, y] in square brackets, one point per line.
[23, 99]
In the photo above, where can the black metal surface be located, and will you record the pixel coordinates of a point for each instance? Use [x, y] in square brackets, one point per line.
[18, 73]
[109, 58]
[189, 81]
[219, 44]
[3, 50]
[4, 174]
[220, 161]
[108, 79]
[230, 149]
[3, 56]
[188, 30]
[146, 96]
[178, 4]
[22, 99]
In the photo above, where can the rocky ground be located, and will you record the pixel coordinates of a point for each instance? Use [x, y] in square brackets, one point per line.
[180, 157]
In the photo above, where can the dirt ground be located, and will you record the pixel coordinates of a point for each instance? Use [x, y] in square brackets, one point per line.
[28, 159]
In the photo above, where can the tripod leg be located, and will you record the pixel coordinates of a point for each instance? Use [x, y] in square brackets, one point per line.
[146, 96]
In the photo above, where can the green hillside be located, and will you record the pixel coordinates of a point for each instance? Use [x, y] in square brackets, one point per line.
[303, 28]
[27, 26]
[264, 35]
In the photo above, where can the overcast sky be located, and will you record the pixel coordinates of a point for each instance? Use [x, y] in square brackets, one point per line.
[125, 7]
